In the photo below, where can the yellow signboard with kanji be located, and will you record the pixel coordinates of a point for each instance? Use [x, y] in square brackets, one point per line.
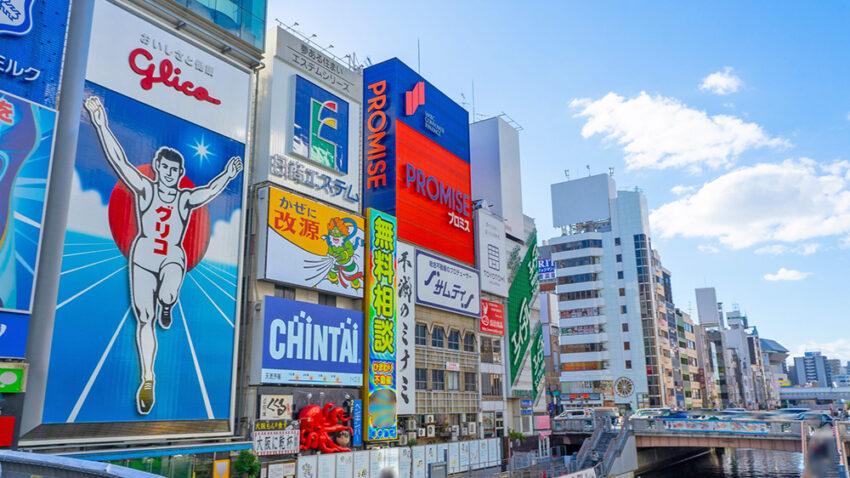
[380, 309]
[312, 245]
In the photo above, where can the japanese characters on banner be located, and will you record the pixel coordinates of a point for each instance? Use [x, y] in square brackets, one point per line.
[311, 245]
[447, 285]
[312, 344]
[538, 366]
[547, 269]
[492, 317]
[520, 300]
[275, 407]
[153, 242]
[313, 120]
[380, 308]
[406, 353]
[32, 44]
[276, 437]
[492, 258]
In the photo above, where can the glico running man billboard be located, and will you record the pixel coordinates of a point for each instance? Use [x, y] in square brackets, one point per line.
[416, 159]
[148, 296]
[32, 44]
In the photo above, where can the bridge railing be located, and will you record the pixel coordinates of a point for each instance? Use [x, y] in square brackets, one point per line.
[843, 430]
[752, 428]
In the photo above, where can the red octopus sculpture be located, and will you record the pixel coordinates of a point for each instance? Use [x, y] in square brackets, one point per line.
[317, 424]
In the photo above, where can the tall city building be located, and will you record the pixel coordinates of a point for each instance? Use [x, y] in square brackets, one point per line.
[774, 357]
[812, 369]
[606, 285]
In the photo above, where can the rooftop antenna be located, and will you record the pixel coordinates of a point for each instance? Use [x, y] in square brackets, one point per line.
[588, 169]
[473, 100]
[418, 57]
[567, 174]
[611, 171]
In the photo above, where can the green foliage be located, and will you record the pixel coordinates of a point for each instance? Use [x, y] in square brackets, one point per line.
[247, 465]
[515, 435]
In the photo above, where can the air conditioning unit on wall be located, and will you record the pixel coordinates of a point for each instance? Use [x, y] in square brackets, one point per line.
[420, 433]
[472, 427]
[429, 418]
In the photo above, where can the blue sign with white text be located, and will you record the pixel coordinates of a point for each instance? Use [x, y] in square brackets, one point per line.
[32, 44]
[313, 344]
[320, 129]
[357, 422]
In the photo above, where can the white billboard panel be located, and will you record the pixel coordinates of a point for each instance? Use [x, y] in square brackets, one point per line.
[406, 353]
[492, 256]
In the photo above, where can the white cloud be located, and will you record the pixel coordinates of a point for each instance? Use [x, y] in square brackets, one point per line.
[657, 132]
[89, 214]
[723, 82]
[837, 349]
[708, 249]
[784, 274]
[787, 202]
[778, 249]
[680, 190]
[224, 240]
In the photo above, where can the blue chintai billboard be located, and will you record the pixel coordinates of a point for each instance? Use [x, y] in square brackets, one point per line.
[311, 344]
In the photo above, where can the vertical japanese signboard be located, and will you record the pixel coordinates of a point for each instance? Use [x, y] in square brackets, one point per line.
[380, 309]
[406, 354]
[538, 367]
[520, 299]
[32, 45]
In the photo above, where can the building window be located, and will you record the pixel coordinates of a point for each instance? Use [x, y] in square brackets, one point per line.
[454, 339]
[421, 379]
[579, 295]
[627, 346]
[470, 381]
[622, 291]
[491, 350]
[469, 342]
[327, 299]
[619, 258]
[625, 327]
[438, 337]
[491, 385]
[453, 381]
[421, 334]
[582, 366]
[619, 274]
[616, 241]
[624, 309]
[284, 292]
[628, 364]
[438, 380]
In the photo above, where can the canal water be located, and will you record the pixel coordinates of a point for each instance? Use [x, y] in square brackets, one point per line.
[736, 464]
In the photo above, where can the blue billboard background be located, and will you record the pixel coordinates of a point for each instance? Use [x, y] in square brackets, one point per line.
[94, 370]
[446, 116]
[293, 365]
[31, 62]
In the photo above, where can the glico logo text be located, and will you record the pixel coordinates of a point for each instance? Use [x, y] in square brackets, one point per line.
[166, 74]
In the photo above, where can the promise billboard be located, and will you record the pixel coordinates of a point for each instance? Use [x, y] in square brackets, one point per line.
[416, 149]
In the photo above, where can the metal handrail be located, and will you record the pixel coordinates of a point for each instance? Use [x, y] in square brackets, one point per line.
[615, 448]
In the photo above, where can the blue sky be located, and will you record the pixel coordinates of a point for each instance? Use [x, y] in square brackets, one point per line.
[732, 118]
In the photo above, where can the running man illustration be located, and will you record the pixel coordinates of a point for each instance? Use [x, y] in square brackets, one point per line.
[157, 259]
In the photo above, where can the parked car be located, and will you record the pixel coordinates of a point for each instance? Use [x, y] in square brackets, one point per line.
[791, 411]
[815, 419]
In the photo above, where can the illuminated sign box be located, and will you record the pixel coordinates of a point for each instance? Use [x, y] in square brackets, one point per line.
[416, 159]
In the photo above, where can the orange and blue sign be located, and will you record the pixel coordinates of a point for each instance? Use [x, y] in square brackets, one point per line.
[381, 271]
[320, 129]
[416, 146]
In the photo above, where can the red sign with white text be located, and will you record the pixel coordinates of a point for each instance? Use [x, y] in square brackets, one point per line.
[492, 317]
[433, 189]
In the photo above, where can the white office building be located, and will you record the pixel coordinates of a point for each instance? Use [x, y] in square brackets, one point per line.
[609, 344]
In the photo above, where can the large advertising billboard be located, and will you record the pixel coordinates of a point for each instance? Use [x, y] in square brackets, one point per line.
[520, 301]
[308, 244]
[32, 45]
[311, 116]
[447, 285]
[380, 307]
[147, 309]
[490, 247]
[416, 151]
[405, 313]
[311, 344]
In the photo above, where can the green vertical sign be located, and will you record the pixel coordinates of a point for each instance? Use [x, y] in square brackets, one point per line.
[538, 365]
[520, 299]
